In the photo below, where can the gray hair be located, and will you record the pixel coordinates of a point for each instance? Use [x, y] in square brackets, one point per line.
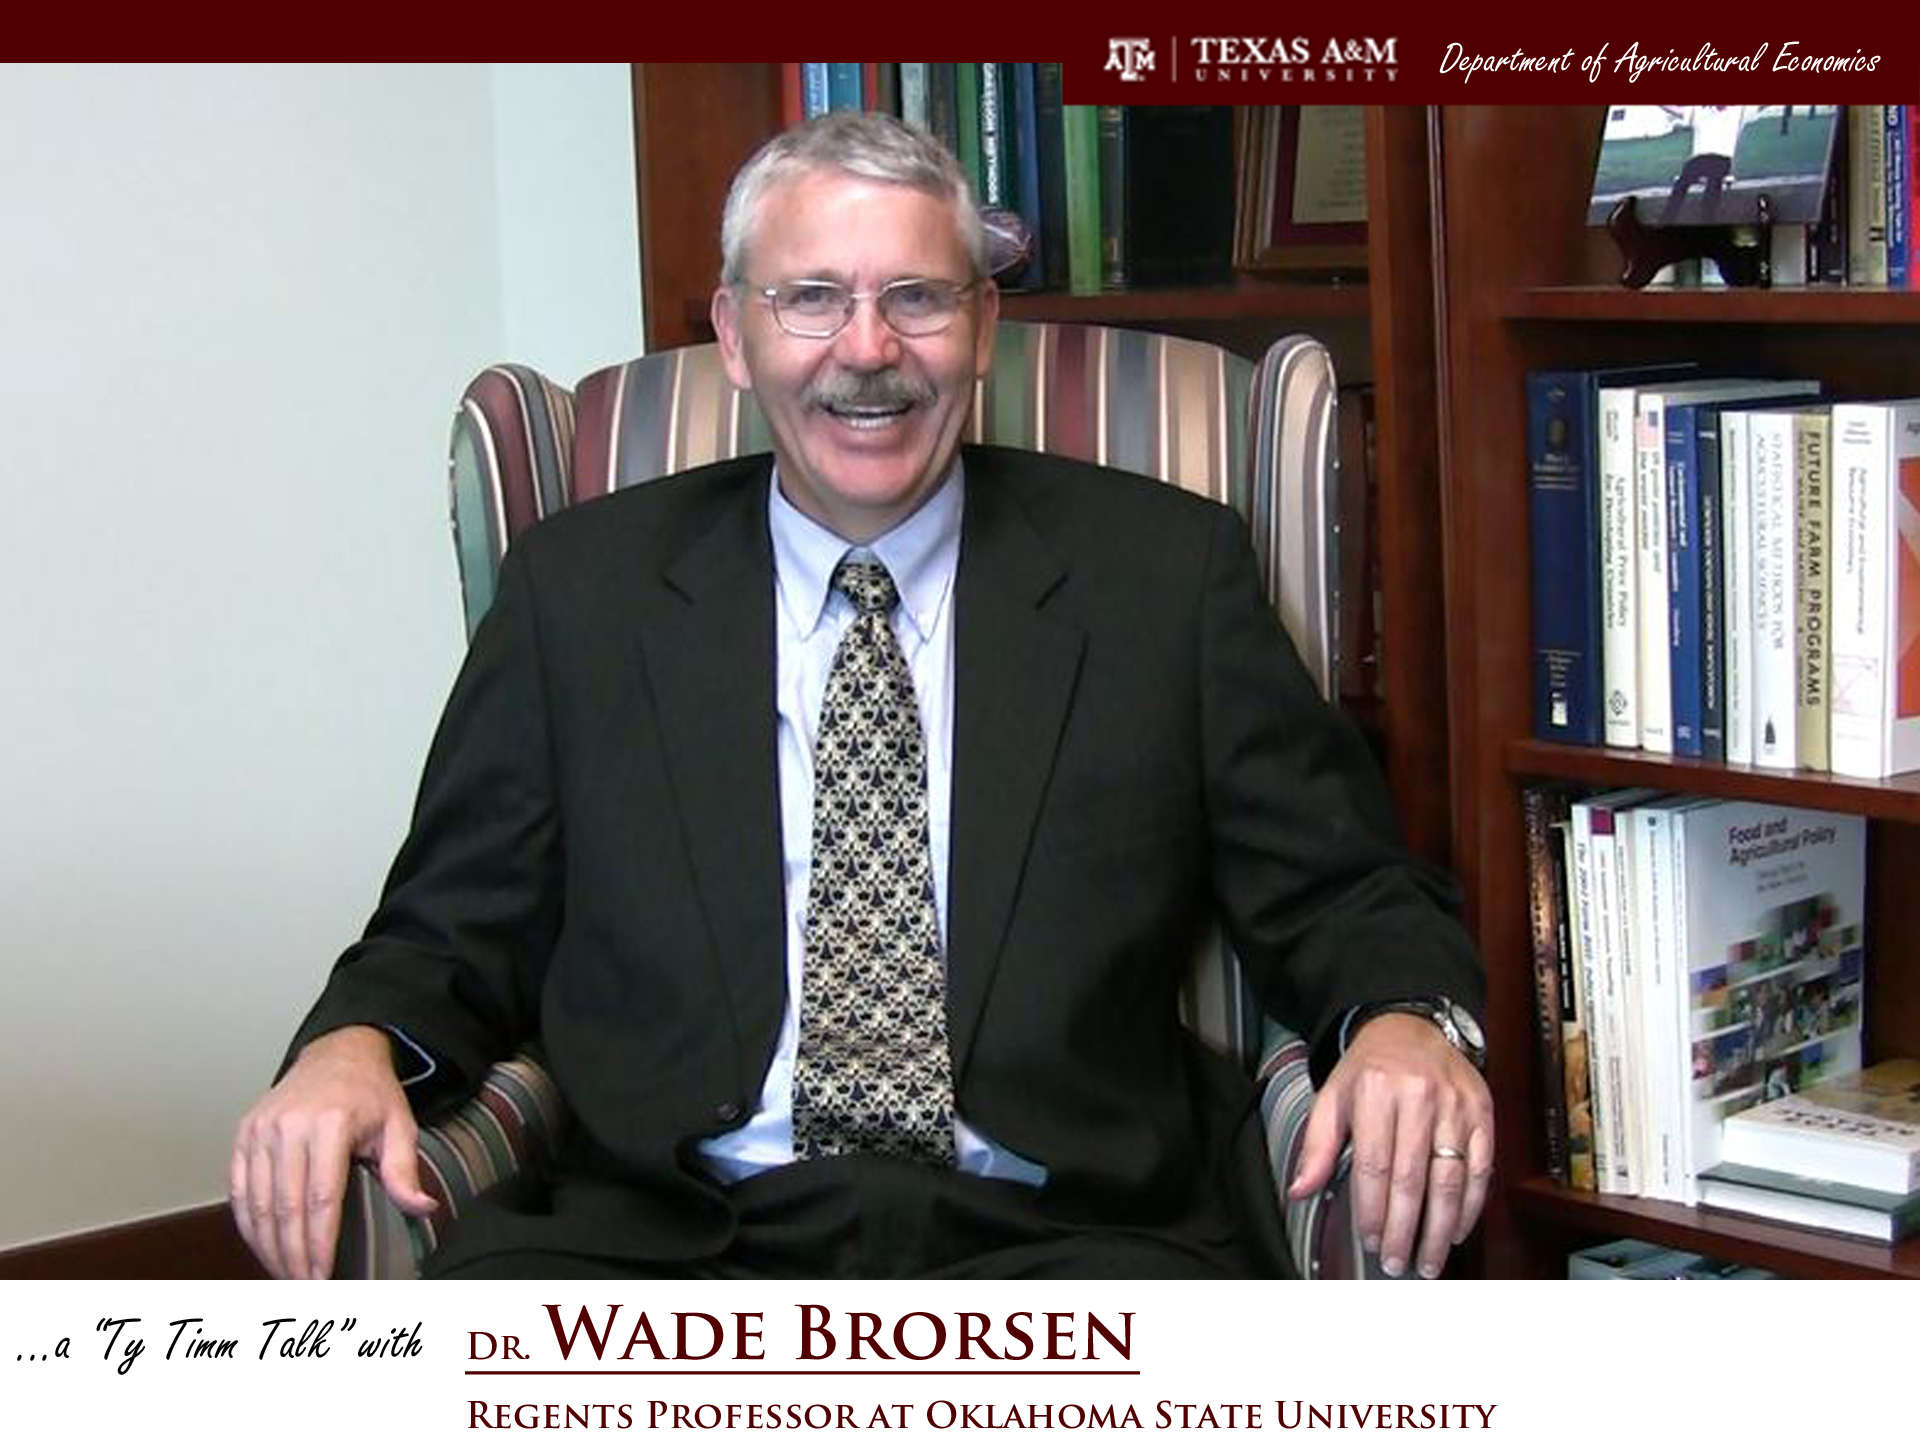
[865, 143]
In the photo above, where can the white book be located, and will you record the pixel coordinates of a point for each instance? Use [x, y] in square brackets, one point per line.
[1736, 652]
[1619, 583]
[1648, 889]
[1874, 639]
[1770, 926]
[1861, 1129]
[1773, 538]
[1596, 854]
[1650, 495]
[1658, 956]
[1650, 571]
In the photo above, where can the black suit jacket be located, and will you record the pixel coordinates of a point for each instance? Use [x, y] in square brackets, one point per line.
[595, 853]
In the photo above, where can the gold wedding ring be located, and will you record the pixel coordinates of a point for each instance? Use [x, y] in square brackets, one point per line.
[1447, 1152]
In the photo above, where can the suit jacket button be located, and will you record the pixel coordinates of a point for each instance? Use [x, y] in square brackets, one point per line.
[731, 1111]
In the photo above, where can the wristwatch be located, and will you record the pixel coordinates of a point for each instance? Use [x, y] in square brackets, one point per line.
[1453, 1020]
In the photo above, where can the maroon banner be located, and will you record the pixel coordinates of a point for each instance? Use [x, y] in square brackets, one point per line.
[1386, 62]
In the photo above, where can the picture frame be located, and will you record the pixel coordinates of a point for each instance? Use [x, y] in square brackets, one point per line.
[1304, 188]
[1693, 165]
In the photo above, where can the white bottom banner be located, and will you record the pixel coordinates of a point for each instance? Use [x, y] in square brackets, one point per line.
[828, 1358]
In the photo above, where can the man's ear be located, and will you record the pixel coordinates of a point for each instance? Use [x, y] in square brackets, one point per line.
[984, 331]
[725, 313]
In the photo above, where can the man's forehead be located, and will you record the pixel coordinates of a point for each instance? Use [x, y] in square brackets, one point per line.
[836, 220]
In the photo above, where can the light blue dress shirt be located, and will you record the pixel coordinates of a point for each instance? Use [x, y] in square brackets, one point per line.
[922, 554]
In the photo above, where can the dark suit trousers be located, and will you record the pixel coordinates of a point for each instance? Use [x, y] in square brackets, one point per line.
[876, 1217]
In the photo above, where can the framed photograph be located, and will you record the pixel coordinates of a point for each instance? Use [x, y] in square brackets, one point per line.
[1710, 164]
[1305, 188]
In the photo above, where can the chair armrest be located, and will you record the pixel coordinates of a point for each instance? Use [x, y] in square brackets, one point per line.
[1320, 1231]
[514, 1122]
[517, 1119]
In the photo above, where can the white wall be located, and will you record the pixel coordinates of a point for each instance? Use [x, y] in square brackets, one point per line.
[236, 309]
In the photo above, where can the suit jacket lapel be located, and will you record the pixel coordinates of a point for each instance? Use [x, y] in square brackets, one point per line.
[1014, 673]
[709, 651]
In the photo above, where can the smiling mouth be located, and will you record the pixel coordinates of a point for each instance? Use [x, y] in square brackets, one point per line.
[867, 417]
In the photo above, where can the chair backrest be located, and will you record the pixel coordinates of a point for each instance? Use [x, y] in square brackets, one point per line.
[1259, 437]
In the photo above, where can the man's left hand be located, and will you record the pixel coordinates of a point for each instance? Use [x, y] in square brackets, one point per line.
[1421, 1122]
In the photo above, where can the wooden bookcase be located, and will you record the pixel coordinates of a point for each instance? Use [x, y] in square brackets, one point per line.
[1525, 284]
[695, 122]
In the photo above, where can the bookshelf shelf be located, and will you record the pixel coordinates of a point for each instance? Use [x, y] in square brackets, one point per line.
[1805, 1254]
[1788, 305]
[1897, 798]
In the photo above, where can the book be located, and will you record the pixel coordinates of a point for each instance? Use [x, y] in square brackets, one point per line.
[1543, 807]
[815, 88]
[846, 87]
[1114, 126]
[1579, 464]
[1773, 485]
[1081, 150]
[1873, 692]
[1048, 126]
[793, 104]
[966, 107]
[1564, 524]
[1913, 199]
[1603, 922]
[1770, 924]
[943, 104]
[1861, 1129]
[1704, 502]
[996, 170]
[1660, 888]
[1736, 607]
[1899, 195]
[1867, 195]
[1178, 200]
[1650, 536]
[1812, 431]
[914, 108]
[1816, 1204]
[1024, 112]
[1688, 619]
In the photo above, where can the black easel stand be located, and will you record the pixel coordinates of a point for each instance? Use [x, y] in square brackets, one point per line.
[1744, 253]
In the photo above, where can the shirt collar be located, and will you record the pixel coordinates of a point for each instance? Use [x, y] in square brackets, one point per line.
[921, 553]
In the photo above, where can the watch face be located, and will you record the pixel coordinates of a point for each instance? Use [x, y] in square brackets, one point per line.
[1469, 1027]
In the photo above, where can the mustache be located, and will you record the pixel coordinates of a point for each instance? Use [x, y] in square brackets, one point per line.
[876, 389]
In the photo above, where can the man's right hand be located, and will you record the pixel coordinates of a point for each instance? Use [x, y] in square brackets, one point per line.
[340, 1099]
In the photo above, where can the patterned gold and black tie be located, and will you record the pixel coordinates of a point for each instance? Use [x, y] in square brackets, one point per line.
[873, 1074]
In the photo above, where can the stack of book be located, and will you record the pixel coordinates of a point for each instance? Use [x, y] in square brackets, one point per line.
[1841, 1156]
[1721, 571]
[1692, 958]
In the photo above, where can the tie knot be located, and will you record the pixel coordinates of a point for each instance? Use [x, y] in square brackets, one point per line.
[867, 584]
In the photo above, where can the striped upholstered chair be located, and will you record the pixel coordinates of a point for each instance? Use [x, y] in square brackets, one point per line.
[1259, 437]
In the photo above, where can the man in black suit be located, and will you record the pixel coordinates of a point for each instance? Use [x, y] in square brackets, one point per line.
[632, 838]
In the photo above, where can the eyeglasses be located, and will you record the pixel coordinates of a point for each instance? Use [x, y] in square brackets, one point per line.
[820, 309]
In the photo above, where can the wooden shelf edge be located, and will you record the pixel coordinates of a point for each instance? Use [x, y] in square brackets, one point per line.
[1800, 1253]
[1896, 798]
[1794, 304]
